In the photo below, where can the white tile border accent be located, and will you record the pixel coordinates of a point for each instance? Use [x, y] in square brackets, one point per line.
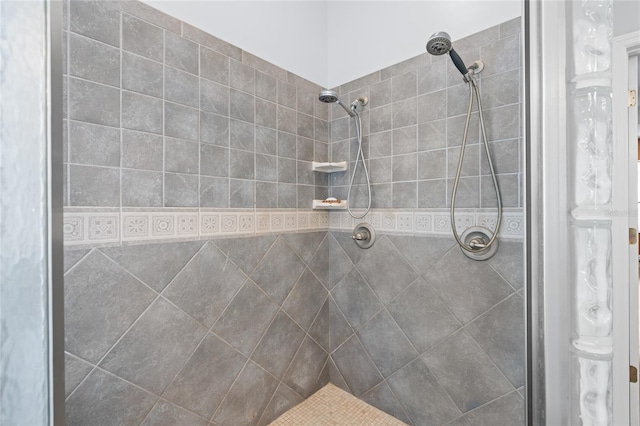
[95, 227]
[85, 226]
[432, 222]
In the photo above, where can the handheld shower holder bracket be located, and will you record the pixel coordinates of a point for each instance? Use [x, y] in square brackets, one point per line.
[476, 67]
[359, 102]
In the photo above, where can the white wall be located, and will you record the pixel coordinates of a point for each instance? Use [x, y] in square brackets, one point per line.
[333, 42]
[290, 34]
[365, 36]
[626, 16]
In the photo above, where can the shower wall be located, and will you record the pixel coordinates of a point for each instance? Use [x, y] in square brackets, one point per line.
[178, 138]
[417, 329]
[233, 331]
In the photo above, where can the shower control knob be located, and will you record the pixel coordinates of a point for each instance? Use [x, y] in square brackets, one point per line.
[361, 236]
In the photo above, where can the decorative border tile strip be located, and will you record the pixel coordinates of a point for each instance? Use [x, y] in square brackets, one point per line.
[432, 221]
[101, 227]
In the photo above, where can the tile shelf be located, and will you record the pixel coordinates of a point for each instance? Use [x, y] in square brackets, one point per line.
[321, 205]
[329, 167]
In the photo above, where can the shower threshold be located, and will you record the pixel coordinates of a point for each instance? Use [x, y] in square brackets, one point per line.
[331, 406]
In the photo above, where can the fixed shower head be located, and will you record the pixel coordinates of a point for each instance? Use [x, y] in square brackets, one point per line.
[439, 44]
[330, 97]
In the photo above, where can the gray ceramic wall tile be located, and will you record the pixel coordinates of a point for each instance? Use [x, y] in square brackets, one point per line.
[503, 122]
[468, 192]
[106, 399]
[247, 398]
[381, 119]
[266, 140]
[355, 299]
[94, 103]
[168, 260]
[241, 135]
[278, 271]
[319, 330]
[266, 167]
[287, 197]
[432, 77]
[241, 193]
[404, 113]
[266, 86]
[305, 299]
[246, 252]
[141, 75]
[383, 399]
[286, 170]
[205, 379]
[449, 277]
[507, 410]
[214, 160]
[214, 192]
[356, 367]
[242, 77]
[501, 55]
[246, 318]
[404, 140]
[96, 19]
[422, 253]
[214, 97]
[101, 302]
[94, 61]
[455, 130]
[286, 145]
[283, 400]
[305, 244]
[509, 263]
[140, 112]
[94, 145]
[500, 332]
[509, 189]
[181, 156]
[266, 113]
[404, 167]
[181, 122]
[180, 53]
[94, 186]
[214, 129]
[511, 27]
[505, 156]
[141, 188]
[432, 193]
[380, 94]
[501, 89]
[154, 16]
[403, 86]
[286, 94]
[386, 343]
[180, 190]
[433, 106]
[433, 164]
[166, 414]
[266, 195]
[432, 135]
[286, 119]
[470, 164]
[479, 382]
[163, 337]
[181, 87]
[241, 106]
[305, 100]
[404, 194]
[141, 150]
[380, 144]
[278, 346]
[142, 38]
[214, 66]
[206, 285]
[210, 41]
[306, 368]
[305, 125]
[424, 400]
[422, 316]
[72, 257]
[75, 370]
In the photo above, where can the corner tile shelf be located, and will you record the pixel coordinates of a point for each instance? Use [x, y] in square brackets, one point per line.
[321, 205]
[329, 167]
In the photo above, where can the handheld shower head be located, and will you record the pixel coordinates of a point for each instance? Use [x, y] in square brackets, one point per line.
[330, 97]
[439, 44]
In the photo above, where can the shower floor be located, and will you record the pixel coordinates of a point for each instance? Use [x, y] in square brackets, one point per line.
[331, 406]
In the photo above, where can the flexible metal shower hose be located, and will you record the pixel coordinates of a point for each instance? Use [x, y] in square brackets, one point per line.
[458, 172]
[359, 156]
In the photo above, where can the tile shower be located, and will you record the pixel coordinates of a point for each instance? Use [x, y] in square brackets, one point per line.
[201, 289]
